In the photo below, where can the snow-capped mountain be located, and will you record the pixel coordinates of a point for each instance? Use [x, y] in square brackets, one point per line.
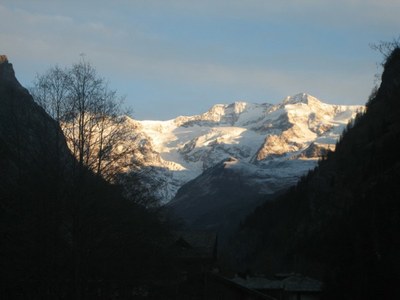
[279, 141]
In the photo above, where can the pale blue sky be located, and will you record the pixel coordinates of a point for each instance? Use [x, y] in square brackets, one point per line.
[180, 57]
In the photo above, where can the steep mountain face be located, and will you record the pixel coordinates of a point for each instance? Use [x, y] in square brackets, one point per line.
[35, 165]
[65, 231]
[280, 142]
[342, 221]
[27, 133]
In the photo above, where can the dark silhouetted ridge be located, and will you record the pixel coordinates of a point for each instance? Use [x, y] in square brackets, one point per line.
[342, 221]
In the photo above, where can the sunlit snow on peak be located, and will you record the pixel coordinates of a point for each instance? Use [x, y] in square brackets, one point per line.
[247, 134]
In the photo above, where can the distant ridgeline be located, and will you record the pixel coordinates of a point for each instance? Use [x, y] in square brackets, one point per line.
[341, 222]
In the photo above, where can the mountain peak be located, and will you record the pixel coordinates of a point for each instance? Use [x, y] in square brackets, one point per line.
[7, 73]
[235, 107]
[300, 98]
[238, 106]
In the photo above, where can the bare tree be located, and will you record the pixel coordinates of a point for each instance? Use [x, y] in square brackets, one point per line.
[89, 113]
[386, 47]
[50, 91]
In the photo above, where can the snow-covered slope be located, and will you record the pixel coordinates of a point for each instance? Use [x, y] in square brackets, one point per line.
[282, 141]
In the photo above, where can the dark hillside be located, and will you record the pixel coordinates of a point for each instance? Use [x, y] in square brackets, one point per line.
[342, 221]
[65, 233]
[216, 200]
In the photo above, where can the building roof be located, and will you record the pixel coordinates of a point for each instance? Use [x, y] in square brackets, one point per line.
[259, 283]
[292, 283]
[299, 283]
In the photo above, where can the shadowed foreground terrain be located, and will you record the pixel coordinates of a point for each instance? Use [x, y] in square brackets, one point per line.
[341, 222]
[65, 233]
